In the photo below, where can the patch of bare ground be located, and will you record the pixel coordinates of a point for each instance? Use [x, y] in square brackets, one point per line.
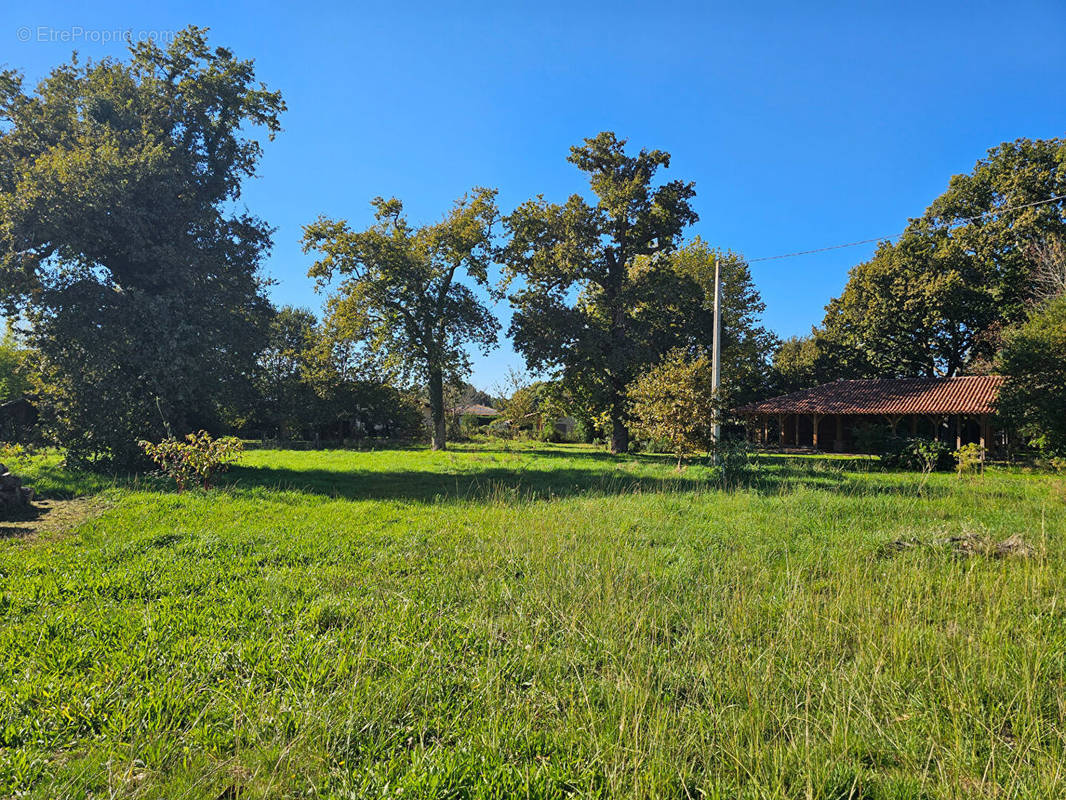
[49, 517]
[967, 544]
[972, 544]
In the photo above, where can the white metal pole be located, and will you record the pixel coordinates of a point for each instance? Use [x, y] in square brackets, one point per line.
[716, 357]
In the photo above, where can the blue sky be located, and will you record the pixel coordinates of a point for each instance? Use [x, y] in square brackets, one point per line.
[802, 124]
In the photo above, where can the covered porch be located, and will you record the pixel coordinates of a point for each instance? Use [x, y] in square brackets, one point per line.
[842, 433]
[841, 416]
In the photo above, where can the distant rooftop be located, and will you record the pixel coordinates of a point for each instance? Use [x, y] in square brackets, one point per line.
[972, 394]
[475, 410]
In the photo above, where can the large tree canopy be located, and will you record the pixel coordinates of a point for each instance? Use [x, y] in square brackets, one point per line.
[119, 242]
[401, 290]
[1034, 359]
[933, 303]
[285, 398]
[747, 345]
[578, 297]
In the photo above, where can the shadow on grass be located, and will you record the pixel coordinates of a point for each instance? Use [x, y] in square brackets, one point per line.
[531, 483]
[806, 461]
[426, 486]
[21, 520]
[56, 482]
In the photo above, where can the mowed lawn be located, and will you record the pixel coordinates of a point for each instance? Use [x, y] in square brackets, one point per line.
[539, 621]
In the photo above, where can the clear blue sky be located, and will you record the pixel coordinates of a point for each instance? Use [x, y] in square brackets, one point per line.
[802, 124]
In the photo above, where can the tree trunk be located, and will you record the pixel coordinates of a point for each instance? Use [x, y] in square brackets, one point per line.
[619, 431]
[436, 408]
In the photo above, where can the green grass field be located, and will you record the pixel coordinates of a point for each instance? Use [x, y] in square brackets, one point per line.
[545, 621]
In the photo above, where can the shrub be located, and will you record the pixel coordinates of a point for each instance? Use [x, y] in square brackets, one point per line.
[549, 433]
[469, 425]
[499, 428]
[916, 453]
[968, 458]
[734, 459]
[198, 458]
[672, 404]
[869, 438]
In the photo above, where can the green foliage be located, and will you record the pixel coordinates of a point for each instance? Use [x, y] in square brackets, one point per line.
[15, 367]
[969, 458]
[801, 362]
[933, 302]
[916, 453]
[598, 342]
[673, 403]
[200, 457]
[469, 425]
[682, 312]
[1033, 399]
[285, 396]
[400, 292]
[120, 242]
[548, 622]
[310, 383]
[735, 463]
[523, 408]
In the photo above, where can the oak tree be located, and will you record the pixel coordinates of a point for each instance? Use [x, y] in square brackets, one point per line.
[933, 303]
[687, 311]
[569, 271]
[401, 290]
[120, 242]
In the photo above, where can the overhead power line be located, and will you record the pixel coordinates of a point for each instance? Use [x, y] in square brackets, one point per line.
[960, 221]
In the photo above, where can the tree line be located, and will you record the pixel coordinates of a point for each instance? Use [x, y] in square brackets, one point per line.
[140, 296]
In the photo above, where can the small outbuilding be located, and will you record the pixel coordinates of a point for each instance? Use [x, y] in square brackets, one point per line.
[481, 414]
[955, 410]
[475, 410]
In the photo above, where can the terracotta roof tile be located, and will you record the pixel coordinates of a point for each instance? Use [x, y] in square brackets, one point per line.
[974, 394]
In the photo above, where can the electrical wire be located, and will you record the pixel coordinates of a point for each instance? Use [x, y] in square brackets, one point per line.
[953, 223]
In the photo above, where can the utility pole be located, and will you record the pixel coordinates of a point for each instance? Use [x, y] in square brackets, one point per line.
[716, 356]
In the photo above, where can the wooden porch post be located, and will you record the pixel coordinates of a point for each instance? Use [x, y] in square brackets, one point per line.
[936, 426]
[958, 431]
[814, 432]
[781, 430]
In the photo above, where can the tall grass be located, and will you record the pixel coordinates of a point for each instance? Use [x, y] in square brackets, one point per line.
[538, 622]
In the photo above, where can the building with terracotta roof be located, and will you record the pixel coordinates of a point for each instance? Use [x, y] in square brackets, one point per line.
[474, 410]
[955, 410]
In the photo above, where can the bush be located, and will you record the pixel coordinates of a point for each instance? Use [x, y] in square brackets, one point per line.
[500, 428]
[583, 431]
[735, 462]
[868, 438]
[469, 425]
[548, 433]
[672, 403]
[198, 458]
[968, 458]
[916, 453]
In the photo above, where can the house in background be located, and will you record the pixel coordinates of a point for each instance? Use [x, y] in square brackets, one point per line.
[954, 410]
[482, 413]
